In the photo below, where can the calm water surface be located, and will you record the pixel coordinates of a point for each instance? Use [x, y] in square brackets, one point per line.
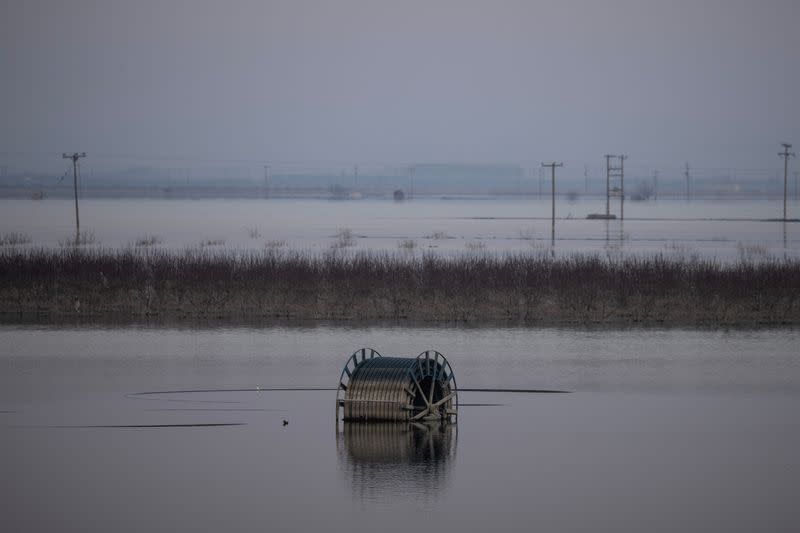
[664, 430]
[723, 229]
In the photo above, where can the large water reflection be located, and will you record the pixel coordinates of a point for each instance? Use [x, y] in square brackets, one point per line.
[396, 460]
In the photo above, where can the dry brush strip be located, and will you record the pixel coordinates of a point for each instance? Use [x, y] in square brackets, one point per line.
[525, 288]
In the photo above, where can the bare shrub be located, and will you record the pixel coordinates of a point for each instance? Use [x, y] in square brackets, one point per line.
[84, 239]
[678, 247]
[681, 251]
[275, 244]
[467, 287]
[475, 246]
[344, 238]
[438, 235]
[212, 242]
[14, 239]
[253, 232]
[147, 240]
[752, 252]
[407, 245]
[527, 233]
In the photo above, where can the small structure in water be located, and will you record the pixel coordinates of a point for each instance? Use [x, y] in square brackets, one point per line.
[397, 389]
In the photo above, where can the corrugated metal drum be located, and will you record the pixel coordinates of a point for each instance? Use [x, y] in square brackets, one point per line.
[398, 389]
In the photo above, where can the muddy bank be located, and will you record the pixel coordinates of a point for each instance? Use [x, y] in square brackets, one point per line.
[530, 289]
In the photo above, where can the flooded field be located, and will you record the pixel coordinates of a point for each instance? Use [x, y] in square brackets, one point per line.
[725, 230]
[132, 428]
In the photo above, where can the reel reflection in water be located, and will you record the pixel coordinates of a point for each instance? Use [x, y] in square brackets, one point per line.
[391, 459]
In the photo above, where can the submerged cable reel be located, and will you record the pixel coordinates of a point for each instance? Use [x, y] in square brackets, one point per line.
[399, 389]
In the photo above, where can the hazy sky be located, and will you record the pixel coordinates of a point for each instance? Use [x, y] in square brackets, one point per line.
[714, 82]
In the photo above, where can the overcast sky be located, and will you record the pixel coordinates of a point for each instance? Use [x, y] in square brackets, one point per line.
[714, 82]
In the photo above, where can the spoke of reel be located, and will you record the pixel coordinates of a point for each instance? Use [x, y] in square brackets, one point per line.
[421, 392]
[420, 414]
[443, 400]
[432, 407]
[433, 379]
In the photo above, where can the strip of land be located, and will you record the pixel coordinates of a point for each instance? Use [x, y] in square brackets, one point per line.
[521, 289]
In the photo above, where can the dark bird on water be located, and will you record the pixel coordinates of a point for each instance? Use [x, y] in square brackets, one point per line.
[285, 422]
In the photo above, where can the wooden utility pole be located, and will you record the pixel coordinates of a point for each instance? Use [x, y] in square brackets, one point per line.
[608, 185]
[655, 185]
[553, 166]
[75, 158]
[622, 159]
[541, 171]
[586, 180]
[786, 154]
[688, 177]
[411, 171]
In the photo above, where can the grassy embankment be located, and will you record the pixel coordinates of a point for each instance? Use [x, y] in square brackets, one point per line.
[473, 288]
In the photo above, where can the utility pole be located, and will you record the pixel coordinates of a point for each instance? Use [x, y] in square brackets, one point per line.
[553, 166]
[615, 172]
[608, 185]
[541, 170]
[266, 181]
[75, 158]
[688, 177]
[585, 180]
[786, 154]
[655, 185]
[622, 159]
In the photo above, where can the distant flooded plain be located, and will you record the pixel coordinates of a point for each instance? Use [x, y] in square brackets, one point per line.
[180, 427]
[726, 230]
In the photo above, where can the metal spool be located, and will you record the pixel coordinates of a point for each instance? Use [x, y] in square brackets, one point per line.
[397, 389]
